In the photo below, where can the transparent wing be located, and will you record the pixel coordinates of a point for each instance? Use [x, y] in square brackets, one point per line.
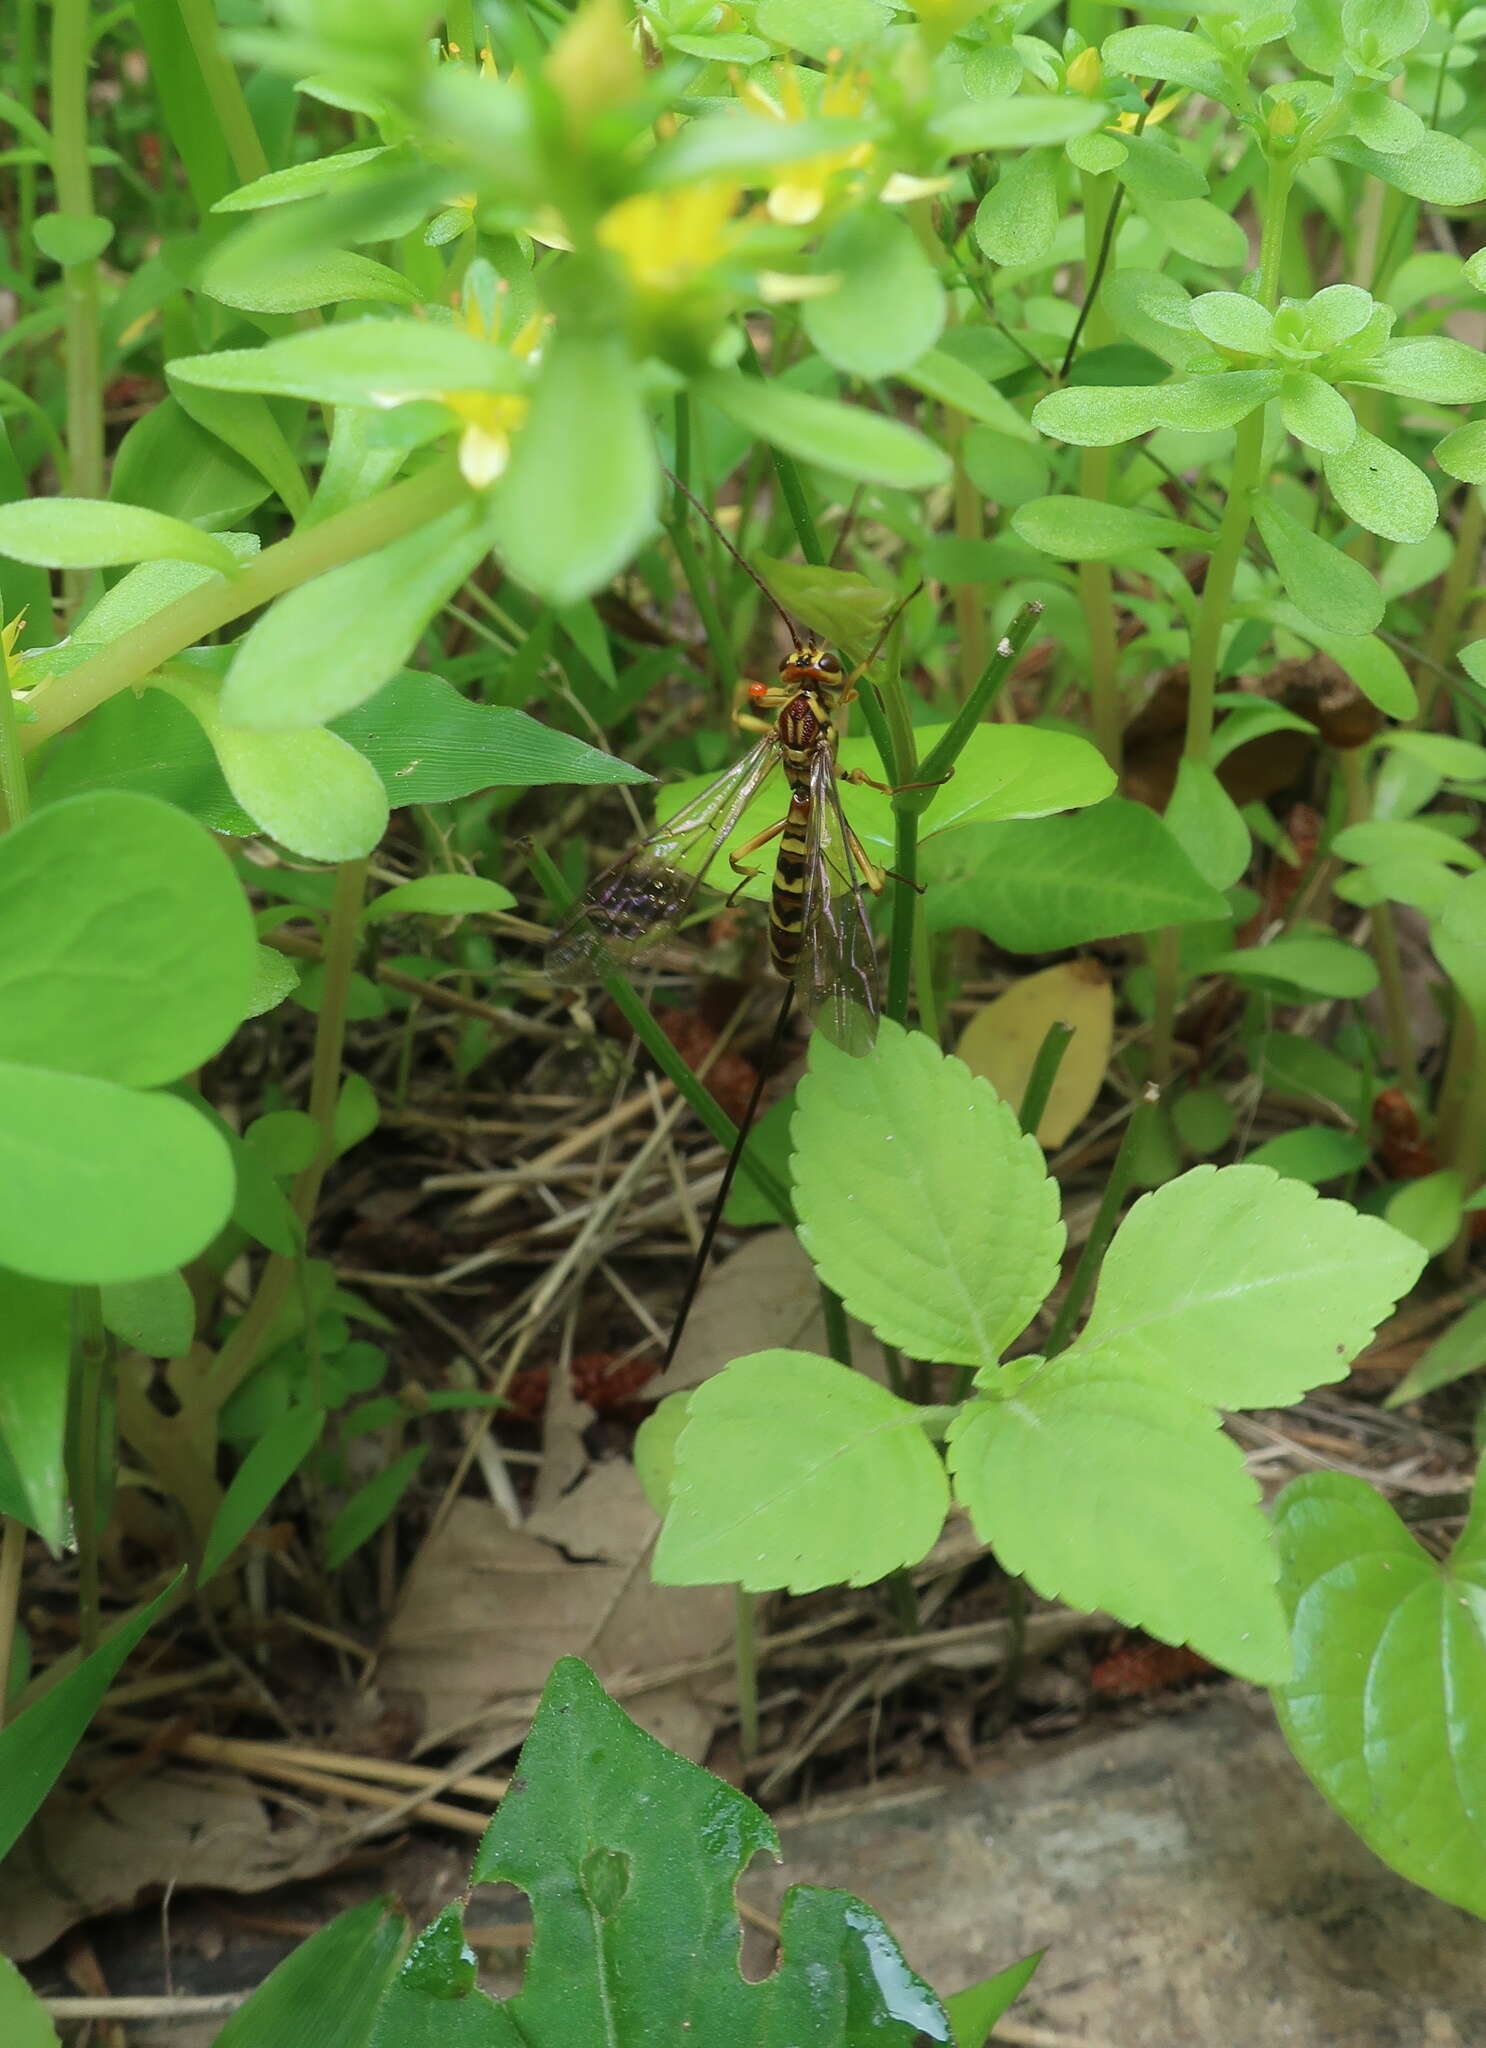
[642, 898]
[836, 981]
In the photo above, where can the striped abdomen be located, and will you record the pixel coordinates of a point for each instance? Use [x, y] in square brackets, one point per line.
[786, 910]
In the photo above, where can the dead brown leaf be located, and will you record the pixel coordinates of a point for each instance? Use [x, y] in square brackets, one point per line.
[1001, 1042]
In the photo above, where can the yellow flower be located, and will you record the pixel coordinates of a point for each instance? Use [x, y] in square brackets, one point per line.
[666, 239]
[801, 193]
[490, 418]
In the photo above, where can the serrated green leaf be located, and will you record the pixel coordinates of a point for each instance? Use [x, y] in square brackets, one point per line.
[126, 947]
[581, 492]
[888, 306]
[1039, 885]
[1090, 530]
[794, 1472]
[1328, 586]
[1386, 1712]
[37, 1320]
[1316, 413]
[921, 1202]
[1157, 1521]
[843, 438]
[90, 533]
[1381, 489]
[331, 643]
[1244, 1288]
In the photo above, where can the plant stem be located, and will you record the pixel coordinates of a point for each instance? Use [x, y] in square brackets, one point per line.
[1384, 935]
[92, 1352]
[905, 914]
[12, 1556]
[968, 598]
[791, 489]
[950, 745]
[74, 190]
[926, 995]
[1454, 595]
[23, 83]
[341, 939]
[1115, 1190]
[358, 531]
[1095, 475]
[1217, 591]
[1166, 967]
[15, 793]
[224, 90]
[1467, 1142]
[745, 1663]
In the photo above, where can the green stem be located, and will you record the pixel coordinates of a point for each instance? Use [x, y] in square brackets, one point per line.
[1115, 1190]
[460, 29]
[224, 90]
[92, 1351]
[23, 83]
[968, 598]
[358, 531]
[12, 1556]
[1467, 1142]
[905, 914]
[1217, 592]
[1096, 471]
[74, 189]
[838, 1328]
[1044, 1073]
[1166, 966]
[926, 995]
[1384, 935]
[15, 793]
[951, 744]
[791, 489]
[745, 1663]
[1460, 577]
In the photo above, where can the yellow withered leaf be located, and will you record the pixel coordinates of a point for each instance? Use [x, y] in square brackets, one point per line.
[1002, 1041]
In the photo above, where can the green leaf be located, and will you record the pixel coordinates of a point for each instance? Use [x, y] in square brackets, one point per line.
[286, 1139]
[156, 1316]
[1381, 489]
[1171, 54]
[1386, 1712]
[955, 384]
[360, 362]
[1463, 453]
[630, 1856]
[1155, 1511]
[794, 1472]
[1027, 122]
[1003, 467]
[243, 273]
[146, 590]
[1441, 169]
[1455, 759]
[1207, 405]
[1244, 1288]
[1200, 231]
[327, 1990]
[1461, 1350]
[274, 979]
[1090, 530]
[71, 238]
[1328, 586]
[1459, 936]
[1039, 885]
[24, 2020]
[1383, 838]
[581, 492]
[845, 605]
[440, 896]
[357, 1113]
[1372, 664]
[370, 1506]
[920, 1200]
[1316, 413]
[249, 426]
[331, 643]
[655, 1447]
[126, 948]
[263, 1473]
[888, 305]
[1318, 967]
[98, 1183]
[1232, 320]
[1313, 1154]
[308, 789]
[1097, 416]
[1428, 1210]
[1428, 366]
[1208, 826]
[35, 1747]
[1016, 221]
[89, 533]
[821, 28]
[298, 181]
[845, 439]
[37, 1320]
[175, 467]
[974, 2011]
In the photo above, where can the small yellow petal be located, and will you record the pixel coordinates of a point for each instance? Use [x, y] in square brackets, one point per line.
[482, 456]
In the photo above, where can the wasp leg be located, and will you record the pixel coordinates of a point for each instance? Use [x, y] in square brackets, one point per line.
[873, 876]
[738, 858]
[863, 780]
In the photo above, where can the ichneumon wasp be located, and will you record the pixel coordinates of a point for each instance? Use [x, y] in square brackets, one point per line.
[819, 936]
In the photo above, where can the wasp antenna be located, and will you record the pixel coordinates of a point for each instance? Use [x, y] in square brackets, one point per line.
[747, 567]
[881, 641]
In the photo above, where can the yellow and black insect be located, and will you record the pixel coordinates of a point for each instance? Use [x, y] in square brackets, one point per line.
[819, 936]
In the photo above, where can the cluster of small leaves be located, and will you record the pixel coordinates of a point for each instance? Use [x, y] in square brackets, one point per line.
[1100, 1475]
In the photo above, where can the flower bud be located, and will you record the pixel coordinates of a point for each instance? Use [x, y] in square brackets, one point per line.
[1284, 122]
[1085, 74]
